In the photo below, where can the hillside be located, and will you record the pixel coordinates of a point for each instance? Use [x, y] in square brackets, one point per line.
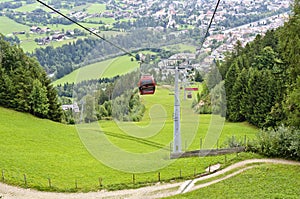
[262, 78]
[105, 69]
[42, 149]
[24, 85]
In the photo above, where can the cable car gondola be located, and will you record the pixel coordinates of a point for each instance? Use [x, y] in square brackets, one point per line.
[146, 85]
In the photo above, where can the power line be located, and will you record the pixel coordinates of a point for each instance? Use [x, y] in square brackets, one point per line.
[85, 28]
[211, 20]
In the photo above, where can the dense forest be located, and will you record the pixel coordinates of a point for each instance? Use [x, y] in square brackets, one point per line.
[262, 78]
[262, 84]
[24, 85]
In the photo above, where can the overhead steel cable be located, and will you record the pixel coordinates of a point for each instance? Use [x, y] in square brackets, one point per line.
[209, 25]
[85, 28]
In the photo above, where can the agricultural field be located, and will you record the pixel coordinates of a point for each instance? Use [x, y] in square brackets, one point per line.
[263, 181]
[31, 7]
[11, 26]
[181, 48]
[108, 68]
[96, 8]
[44, 150]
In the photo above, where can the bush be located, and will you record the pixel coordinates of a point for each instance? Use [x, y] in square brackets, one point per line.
[233, 142]
[283, 142]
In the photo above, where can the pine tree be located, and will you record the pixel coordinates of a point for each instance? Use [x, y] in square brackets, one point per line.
[235, 109]
[39, 105]
[230, 80]
[24, 85]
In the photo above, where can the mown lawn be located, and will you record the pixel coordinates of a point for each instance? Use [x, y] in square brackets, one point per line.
[264, 181]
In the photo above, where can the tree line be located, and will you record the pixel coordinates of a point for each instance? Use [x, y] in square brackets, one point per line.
[24, 85]
[106, 98]
[261, 78]
[262, 85]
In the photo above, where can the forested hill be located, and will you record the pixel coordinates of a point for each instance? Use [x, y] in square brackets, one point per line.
[24, 85]
[262, 80]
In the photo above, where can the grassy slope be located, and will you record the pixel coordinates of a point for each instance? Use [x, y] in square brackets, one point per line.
[42, 149]
[31, 7]
[108, 68]
[9, 26]
[264, 181]
[96, 8]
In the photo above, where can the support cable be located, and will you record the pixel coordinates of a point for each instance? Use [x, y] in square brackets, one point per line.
[211, 20]
[85, 28]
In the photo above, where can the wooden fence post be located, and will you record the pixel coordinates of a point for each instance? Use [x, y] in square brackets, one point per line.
[25, 180]
[100, 182]
[170, 149]
[158, 175]
[3, 176]
[133, 178]
[49, 182]
[200, 143]
[180, 173]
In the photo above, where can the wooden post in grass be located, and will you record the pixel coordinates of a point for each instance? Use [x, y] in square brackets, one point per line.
[180, 173]
[200, 143]
[76, 185]
[225, 159]
[25, 180]
[100, 182]
[209, 168]
[245, 140]
[2, 176]
[158, 176]
[133, 178]
[170, 148]
[49, 182]
[195, 171]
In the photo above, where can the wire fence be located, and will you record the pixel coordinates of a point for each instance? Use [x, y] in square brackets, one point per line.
[133, 181]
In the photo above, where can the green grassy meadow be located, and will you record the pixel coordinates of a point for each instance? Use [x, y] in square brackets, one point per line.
[96, 8]
[181, 47]
[31, 7]
[44, 150]
[9, 26]
[263, 181]
[108, 68]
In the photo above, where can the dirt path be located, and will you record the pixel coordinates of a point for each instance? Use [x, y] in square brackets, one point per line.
[156, 191]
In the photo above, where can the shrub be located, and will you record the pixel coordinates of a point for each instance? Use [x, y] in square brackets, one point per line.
[283, 142]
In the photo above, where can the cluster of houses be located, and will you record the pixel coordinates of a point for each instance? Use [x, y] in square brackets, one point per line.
[73, 107]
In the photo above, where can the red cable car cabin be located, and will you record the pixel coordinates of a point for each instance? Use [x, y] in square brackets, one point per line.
[146, 85]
